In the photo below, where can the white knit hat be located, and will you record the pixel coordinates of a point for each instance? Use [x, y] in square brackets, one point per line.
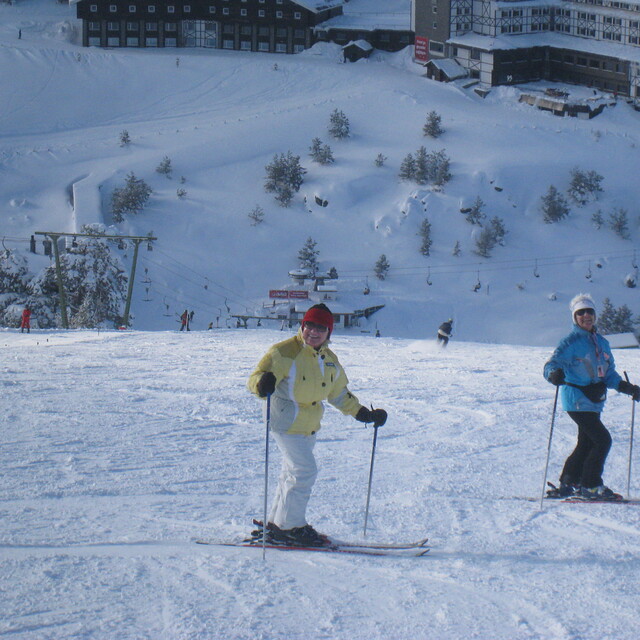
[581, 301]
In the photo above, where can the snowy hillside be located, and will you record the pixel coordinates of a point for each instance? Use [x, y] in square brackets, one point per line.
[221, 116]
[134, 444]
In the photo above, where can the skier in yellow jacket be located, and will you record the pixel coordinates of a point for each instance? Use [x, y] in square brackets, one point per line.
[298, 374]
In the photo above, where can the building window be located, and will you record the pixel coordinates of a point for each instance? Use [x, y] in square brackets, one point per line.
[281, 47]
[151, 42]
[113, 8]
[132, 26]
[94, 42]
[227, 44]
[243, 12]
[225, 11]
[245, 30]
[170, 42]
[263, 31]
[298, 48]
[132, 42]
[152, 8]
[187, 8]
[94, 26]
[171, 9]
[260, 13]
[437, 47]
[113, 26]
[227, 28]
[281, 32]
[212, 9]
[297, 15]
[245, 45]
[299, 34]
[278, 14]
[93, 8]
[263, 46]
[132, 8]
[580, 61]
[170, 26]
[151, 26]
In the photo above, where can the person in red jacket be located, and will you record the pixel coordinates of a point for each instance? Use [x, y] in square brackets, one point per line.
[25, 323]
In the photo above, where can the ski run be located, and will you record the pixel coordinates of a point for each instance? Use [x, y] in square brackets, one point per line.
[134, 445]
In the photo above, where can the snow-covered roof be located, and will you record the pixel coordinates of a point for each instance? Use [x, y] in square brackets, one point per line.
[449, 67]
[548, 39]
[361, 44]
[367, 15]
[319, 5]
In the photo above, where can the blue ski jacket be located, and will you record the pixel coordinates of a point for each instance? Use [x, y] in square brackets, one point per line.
[586, 358]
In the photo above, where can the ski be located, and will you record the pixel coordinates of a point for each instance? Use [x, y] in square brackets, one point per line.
[580, 500]
[411, 552]
[365, 545]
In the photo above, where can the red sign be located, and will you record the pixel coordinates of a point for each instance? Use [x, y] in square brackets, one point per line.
[284, 294]
[421, 48]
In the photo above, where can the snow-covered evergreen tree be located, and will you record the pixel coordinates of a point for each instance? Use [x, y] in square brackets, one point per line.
[308, 256]
[554, 206]
[475, 214]
[433, 126]
[425, 233]
[496, 225]
[380, 160]
[165, 167]
[408, 168]
[125, 140]
[339, 125]
[584, 186]
[256, 215]
[131, 198]
[619, 223]
[615, 320]
[284, 177]
[320, 153]
[381, 267]
[485, 242]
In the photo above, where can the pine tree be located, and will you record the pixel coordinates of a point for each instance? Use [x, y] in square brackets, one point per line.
[125, 140]
[440, 172]
[611, 320]
[597, 219]
[320, 153]
[308, 256]
[584, 186]
[380, 160]
[425, 234]
[456, 249]
[333, 273]
[422, 172]
[475, 214]
[432, 127]
[485, 242]
[339, 125]
[381, 267]
[554, 206]
[132, 198]
[165, 167]
[284, 177]
[619, 223]
[408, 168]
[498, 230]
[256, 215]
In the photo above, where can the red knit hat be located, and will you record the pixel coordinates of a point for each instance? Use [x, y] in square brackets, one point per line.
[319, 314]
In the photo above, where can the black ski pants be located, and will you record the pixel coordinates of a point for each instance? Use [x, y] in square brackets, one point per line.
[585, 465]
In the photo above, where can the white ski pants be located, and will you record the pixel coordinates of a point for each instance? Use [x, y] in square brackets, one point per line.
[297, 476]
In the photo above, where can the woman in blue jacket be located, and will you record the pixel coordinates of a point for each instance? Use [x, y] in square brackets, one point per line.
[584, 365]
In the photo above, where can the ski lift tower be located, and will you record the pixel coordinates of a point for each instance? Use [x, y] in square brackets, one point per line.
[55, 235]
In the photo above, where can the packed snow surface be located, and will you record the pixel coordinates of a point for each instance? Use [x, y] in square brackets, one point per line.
[119, 450]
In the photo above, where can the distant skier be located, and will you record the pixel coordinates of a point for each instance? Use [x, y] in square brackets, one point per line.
[25, 321]
[584, 365]
[184, 321]
[444, 332]
[299, 373]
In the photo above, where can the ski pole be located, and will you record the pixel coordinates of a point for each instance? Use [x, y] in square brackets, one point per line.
[373, 453]
[266, 479]
[546, 466]
[633, 419]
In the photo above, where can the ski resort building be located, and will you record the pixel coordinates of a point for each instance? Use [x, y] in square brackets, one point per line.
[272, 26]
[590, 42]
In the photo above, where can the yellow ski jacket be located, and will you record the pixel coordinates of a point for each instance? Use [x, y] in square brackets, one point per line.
[304, 378]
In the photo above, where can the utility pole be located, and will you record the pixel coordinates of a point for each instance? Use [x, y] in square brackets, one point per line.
[55, 235]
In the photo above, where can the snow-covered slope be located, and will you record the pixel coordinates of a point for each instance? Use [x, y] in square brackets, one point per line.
[120, 449]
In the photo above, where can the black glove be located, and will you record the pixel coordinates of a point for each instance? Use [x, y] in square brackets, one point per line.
[632, 390]
[377, 416]
[557, 377]
[266, 384]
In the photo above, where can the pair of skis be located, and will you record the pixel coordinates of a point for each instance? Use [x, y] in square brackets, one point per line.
[409, 549]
